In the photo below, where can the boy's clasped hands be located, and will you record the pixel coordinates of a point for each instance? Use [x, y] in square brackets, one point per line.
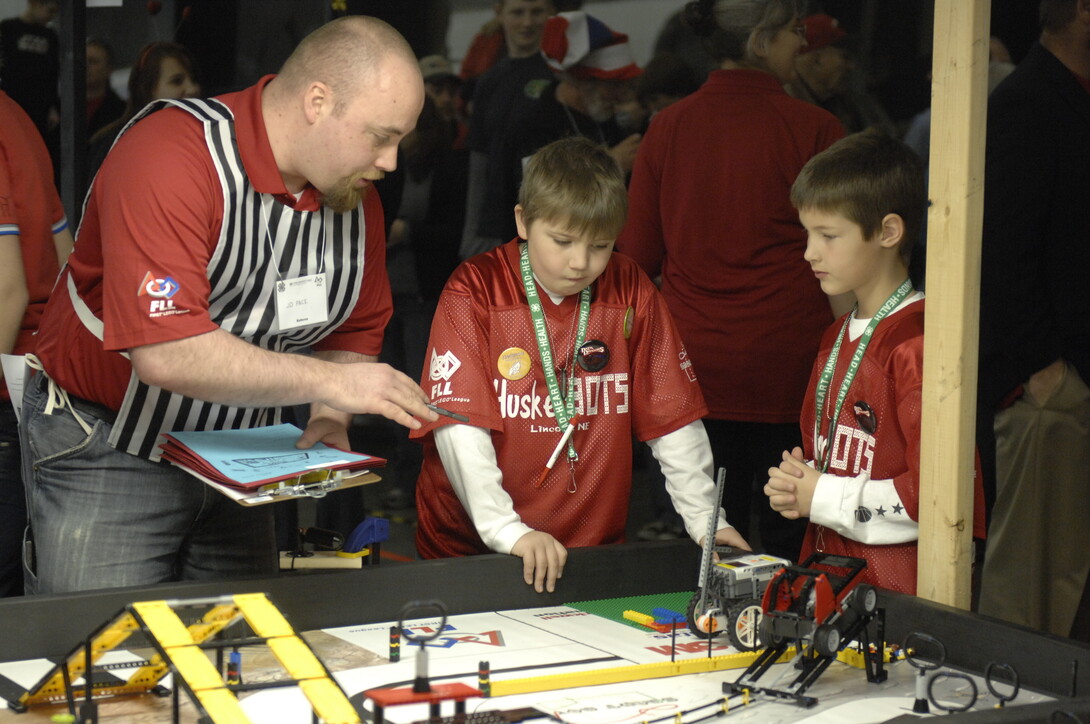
[790, 487]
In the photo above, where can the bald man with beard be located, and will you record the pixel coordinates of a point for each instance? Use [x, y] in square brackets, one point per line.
[220, 238]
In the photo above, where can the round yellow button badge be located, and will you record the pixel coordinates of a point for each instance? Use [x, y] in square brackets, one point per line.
[514, 363]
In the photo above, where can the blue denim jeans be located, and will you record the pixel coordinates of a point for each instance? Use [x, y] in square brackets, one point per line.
[12, 505]
[101, 518]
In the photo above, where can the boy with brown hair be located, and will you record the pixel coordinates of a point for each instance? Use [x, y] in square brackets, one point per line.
[862, 202]
[557, 351]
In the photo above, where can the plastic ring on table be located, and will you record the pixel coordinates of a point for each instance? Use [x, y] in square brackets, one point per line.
[424, 606]
[943, 675]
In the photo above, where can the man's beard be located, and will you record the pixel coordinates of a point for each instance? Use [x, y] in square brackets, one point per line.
[346, 195]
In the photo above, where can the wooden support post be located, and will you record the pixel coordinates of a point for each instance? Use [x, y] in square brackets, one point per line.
[954, 223]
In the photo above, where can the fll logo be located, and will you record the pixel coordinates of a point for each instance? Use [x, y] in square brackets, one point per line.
[159, 288]
[487, 638]
[162, 289]
[442, 369]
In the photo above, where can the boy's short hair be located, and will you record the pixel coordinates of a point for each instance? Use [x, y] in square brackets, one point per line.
[575, 181]
[863, 177]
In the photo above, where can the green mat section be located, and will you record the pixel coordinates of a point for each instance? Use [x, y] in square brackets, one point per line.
[614, 608]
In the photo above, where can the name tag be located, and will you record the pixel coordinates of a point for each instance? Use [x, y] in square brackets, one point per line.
[301, 302]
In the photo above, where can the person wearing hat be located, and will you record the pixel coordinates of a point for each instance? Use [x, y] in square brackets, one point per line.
[822, 63]
[442, 85]
[824, 70]
[595, 72]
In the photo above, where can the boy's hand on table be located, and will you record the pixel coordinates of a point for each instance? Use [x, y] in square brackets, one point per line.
[790, 487]
[543, 560]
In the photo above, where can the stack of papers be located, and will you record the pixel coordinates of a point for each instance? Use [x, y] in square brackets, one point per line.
[264, 461]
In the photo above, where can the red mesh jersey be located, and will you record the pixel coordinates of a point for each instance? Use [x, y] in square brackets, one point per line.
[878, 432]
[646, 389]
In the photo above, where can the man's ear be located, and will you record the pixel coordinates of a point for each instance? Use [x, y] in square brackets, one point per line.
[317, 101]
[893, 230]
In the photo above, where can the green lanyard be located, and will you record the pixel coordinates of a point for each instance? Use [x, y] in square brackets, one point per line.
[563, 409]
[823, 456]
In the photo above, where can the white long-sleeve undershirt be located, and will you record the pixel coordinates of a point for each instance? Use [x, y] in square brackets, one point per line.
[838, 499]
[469, 459]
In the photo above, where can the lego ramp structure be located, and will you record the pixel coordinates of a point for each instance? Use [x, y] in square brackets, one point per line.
[183, 650]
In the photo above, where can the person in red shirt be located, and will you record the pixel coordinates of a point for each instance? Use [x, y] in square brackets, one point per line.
[34, 242]
[710, 214]
[857, 476]
[197, 284]
[557, 351]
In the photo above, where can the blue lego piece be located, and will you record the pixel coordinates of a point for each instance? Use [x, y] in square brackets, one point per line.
[665, 615]
[371, 530]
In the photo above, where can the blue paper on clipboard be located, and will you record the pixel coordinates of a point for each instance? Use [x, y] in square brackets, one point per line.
[257, 456]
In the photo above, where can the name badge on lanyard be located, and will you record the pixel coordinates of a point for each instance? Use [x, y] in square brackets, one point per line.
[301, 302]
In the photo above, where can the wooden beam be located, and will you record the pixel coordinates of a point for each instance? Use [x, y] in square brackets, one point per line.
[954, 222]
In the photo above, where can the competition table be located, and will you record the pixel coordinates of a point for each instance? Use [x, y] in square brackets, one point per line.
[51, 626]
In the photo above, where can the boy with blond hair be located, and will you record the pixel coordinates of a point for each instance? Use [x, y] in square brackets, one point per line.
[862, 202]
[547, 334]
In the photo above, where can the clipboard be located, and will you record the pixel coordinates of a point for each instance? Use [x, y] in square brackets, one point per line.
[311, 485]
[262, 465]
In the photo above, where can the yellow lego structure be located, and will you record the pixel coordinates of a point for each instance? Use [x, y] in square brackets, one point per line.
[183, 651]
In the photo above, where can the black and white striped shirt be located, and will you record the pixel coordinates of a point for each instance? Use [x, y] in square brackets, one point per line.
[261, 242]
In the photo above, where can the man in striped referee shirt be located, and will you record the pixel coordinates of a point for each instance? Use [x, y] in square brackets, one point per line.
[220, 238]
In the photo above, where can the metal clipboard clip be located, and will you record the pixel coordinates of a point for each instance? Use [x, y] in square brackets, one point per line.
[314, 484]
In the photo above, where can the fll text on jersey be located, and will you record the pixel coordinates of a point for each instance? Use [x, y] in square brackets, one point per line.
[854, 446]
[594, 394]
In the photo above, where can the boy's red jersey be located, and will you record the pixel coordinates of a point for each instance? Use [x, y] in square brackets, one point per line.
[484, 363]
[878, 433]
